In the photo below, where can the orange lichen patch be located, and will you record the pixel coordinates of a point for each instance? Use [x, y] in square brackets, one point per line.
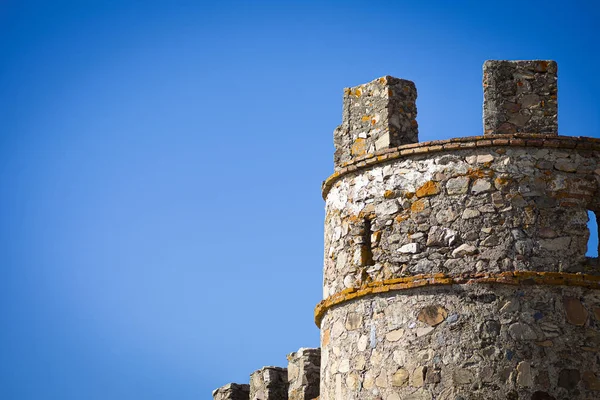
[401, 217]
[359, 147]
[502, 181]
[373, 121]
[353, 218]
[505, 278]
[347, 91]
[389, 194]
[480, 173]
[382, 80]
[357, 92]
[365, 118]
[409, 195]
[417, 206]
[430, 188]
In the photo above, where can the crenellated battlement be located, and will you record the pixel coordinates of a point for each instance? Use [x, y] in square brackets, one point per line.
[377, 115]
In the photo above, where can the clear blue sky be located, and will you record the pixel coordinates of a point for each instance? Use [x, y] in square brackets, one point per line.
[160, 169]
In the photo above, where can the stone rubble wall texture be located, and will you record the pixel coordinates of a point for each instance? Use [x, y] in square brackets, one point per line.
[269, 383]
[457, 270]
[520, 96]
[232, 391]
[377, 115]
[304, 367]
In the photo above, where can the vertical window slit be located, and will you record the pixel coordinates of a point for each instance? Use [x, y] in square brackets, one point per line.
[367, 250]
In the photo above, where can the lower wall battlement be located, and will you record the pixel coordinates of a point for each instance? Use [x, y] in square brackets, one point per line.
[299, 381]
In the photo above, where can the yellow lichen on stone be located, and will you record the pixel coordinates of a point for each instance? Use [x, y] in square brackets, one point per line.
[417, 206]
[365, 118]
[430, 188]
[389, 194]
[502, 181]
[479, 173]
[401, 217]
[359, 147]
[357, 92]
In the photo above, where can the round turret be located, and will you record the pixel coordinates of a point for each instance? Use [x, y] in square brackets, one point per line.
[456, 269]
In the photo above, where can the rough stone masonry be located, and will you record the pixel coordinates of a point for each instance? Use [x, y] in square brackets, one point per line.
[457, 269]
[520, 96]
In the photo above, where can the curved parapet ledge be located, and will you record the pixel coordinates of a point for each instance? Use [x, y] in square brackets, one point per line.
[516, 278]
[471, 142]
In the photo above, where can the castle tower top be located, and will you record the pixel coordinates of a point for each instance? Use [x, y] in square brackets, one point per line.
[377, 115]
[520, 97]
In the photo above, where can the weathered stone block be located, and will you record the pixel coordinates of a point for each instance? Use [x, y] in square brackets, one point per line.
[232, 391]
[377, 115]
[304, 368]
[520, 96]
[269, 383]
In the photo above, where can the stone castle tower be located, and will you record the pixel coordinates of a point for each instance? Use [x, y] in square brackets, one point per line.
[454, 269]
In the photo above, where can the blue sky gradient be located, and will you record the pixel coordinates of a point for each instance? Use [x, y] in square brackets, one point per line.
[161, 161]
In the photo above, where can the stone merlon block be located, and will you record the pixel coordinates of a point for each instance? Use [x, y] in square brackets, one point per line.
[232, 391]
[377, 115]
[269, 383]
[304, 371]
[520, 96]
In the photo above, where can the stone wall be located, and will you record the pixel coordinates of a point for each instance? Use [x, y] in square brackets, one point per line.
[304, 374]
[520, 96]
[377, 115]
[433, 263]
[232, 391]
[269, 383]
[493, 209]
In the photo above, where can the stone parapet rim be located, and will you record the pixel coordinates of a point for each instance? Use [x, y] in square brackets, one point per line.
[515, 278]
[469, 142]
